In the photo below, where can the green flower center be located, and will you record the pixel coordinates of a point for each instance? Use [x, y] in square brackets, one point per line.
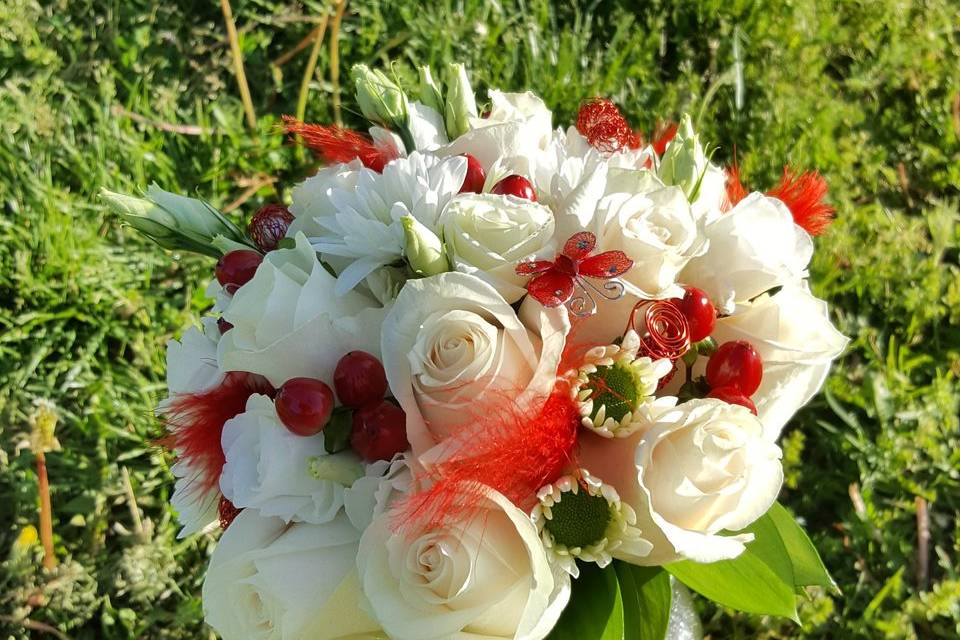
[579, 519]
[616, 387]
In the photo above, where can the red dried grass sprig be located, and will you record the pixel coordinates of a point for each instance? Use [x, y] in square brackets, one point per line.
[336, 144]
[664, 133]
[194, 423]
[804, 195]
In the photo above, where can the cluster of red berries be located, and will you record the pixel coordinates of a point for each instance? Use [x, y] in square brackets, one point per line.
[512, 185]
[734, 370]
[378, 430]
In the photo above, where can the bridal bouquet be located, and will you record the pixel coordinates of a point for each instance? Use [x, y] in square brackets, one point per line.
[485, 378]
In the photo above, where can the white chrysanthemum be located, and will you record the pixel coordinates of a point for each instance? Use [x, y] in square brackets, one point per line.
[614, 388]
[363, 231]
[580, 517]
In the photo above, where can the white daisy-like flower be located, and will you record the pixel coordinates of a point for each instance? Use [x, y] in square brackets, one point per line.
[580, 517]
[615, 388]
[363, 231]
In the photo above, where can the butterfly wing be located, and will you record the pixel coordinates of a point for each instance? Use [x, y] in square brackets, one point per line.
[579, 245]
[533, 268]
[551, 289]
[608, 264]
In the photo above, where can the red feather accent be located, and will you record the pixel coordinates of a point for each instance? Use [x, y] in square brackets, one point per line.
[513, 449]
[605, 128]
[803, 194]
[662, 137]
[336, 144]
[608, 264]
[736, 191]
[194, 422]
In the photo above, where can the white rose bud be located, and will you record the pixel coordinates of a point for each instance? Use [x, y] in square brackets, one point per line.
[178, 223]
[382, 101]
[461, 104]
[423, 249]
[488, 234]
[430, 94]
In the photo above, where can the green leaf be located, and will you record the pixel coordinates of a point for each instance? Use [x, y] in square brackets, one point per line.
[808, 568]
[768, 547]
[336, 434]
[596, 608]
[746, 583]
[647, 597]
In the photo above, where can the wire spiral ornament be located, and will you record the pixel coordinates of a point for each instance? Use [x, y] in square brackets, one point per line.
[665, 332]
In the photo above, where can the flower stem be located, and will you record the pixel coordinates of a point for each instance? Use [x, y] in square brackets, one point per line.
[335, 61]
[46, 513]
[308, 75]
[238, 65]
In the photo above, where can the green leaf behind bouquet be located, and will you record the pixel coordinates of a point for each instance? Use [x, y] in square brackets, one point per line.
[619, 602]
[766, 577]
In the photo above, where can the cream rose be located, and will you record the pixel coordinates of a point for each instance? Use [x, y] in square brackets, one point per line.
[288, 322]
[792, 332]
[753, 248]
[272, 581]
[451, 338]
[281, 474]
[700, 468]
[658, 231]
[487, 235]
[487, 577]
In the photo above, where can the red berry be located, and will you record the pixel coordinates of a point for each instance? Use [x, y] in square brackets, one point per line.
[379, 431]
[515, 185]
[269, 225]
[732, 395]
[304, 405]
[227, 512]
[223, 325]
[236, 268]
[700, 313]
[735, 364]
[476, 176]
[359, 380]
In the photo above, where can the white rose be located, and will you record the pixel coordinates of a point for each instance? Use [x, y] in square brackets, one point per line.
[271, 581]
[484, 578]
[518, 126]
[487, 235]
[450, 339]
[288, 322]
[792, 332]
[280, 473]
[753, 248]
[192, 368]
[658, 231]
[702, 467]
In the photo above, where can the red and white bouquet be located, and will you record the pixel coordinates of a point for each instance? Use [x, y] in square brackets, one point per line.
[485, 378]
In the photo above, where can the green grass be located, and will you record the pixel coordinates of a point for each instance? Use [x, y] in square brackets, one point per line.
[867, 91]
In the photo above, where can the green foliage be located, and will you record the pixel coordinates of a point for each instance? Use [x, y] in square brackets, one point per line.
[867, 91]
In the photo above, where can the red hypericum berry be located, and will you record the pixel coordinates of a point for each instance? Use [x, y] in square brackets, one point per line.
[227, 512]
[700, 313]
[304, 405]
[476, 176]
[359, 380]
[269, 226]
[379, 431]
[223, 325]
[236, 268]
[735, 364]
[514, 185]
[732, 395]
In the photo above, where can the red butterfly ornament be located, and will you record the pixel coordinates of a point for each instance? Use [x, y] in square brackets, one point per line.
[555, 281]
